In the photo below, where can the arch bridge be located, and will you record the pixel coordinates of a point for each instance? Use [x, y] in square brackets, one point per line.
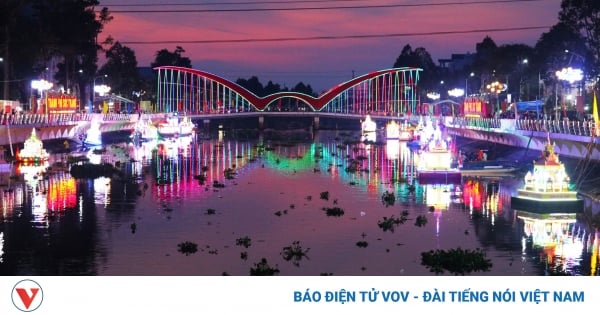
[391, 92]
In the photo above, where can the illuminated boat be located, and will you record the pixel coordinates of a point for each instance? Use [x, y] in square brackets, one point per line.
[435, 163]
[33, 151]
[547, 188]
[93, 136]
[392, 130]
[176, 126]
[145, 130]
[369, 129]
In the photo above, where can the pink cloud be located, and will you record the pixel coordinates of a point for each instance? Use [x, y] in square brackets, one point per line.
[331, 55]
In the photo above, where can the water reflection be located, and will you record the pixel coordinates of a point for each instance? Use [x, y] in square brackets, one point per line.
[213, 193]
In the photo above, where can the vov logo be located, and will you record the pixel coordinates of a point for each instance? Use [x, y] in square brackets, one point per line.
[27, 295]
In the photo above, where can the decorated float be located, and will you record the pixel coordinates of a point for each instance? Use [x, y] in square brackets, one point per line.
[368, 129]
[435, 161]
[33, 151]
[176, 126]
[547, 186]
[144, 130]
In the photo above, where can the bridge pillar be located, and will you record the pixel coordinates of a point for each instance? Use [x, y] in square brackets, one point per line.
[316, 123]
[206, 124]
[261, 122]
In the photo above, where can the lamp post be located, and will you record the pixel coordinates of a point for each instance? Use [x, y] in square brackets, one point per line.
[497, 87]
[582, 66]
[94, 89]
[41, 86]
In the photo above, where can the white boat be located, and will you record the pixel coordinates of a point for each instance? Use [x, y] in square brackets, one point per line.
[176, 126]
[488, 168]
[145, 130]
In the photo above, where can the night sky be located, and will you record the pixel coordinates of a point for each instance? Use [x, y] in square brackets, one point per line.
[277, 39]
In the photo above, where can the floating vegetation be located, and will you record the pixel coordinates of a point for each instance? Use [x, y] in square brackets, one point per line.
[294, 253]
[216, 184]
[201, 178]
[229, 173]
[353, 166]
[262, 268]
[243, 241]
[388, 198]
[334, 212]
[187, 248]
[362, 244]
[204, 168]
[457, 261]
[325, 195]
[421, 220]
[210, 211]
[244, 255]
[389, 224]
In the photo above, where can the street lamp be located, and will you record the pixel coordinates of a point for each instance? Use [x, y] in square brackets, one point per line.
[95, 90]
[41, 86]
[497, 87]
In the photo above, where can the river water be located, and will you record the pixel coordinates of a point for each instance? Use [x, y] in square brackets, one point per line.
[238, 203]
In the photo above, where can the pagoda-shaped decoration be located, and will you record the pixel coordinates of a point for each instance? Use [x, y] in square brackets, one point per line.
[547, 186]
[33, 151]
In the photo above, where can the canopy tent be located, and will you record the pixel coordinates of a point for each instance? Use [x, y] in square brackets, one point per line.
[116, 103]
[533, 106]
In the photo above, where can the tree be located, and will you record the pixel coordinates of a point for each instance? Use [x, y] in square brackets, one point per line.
[253, 85]
[583, 16]
[167, 58]
[420, 58]
[121, 70]
[37, 33]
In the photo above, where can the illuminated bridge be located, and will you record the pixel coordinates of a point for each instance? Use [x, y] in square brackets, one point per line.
[390, 94]
[392, 91]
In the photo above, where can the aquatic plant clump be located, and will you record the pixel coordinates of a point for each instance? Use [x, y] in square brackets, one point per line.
[187, 248]
[389, 224]
[295, 253]
[388, 198]
[457, 261]
[243, 241]
[334, 212]
[263, 268]
[421, 220]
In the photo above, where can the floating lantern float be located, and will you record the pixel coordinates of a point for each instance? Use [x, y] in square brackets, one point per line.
[33, 151]
[547, 189]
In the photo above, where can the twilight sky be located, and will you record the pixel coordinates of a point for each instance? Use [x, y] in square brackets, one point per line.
[243, 38]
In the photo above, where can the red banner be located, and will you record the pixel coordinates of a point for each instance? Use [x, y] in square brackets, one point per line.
[61, 103]
[474, 107]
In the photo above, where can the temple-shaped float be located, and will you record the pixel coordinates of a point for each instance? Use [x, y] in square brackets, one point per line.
[435, 162]
[547, 187]
[33, 152]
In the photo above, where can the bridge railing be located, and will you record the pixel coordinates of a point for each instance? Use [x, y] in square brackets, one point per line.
[569, 127]
[61, 119]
